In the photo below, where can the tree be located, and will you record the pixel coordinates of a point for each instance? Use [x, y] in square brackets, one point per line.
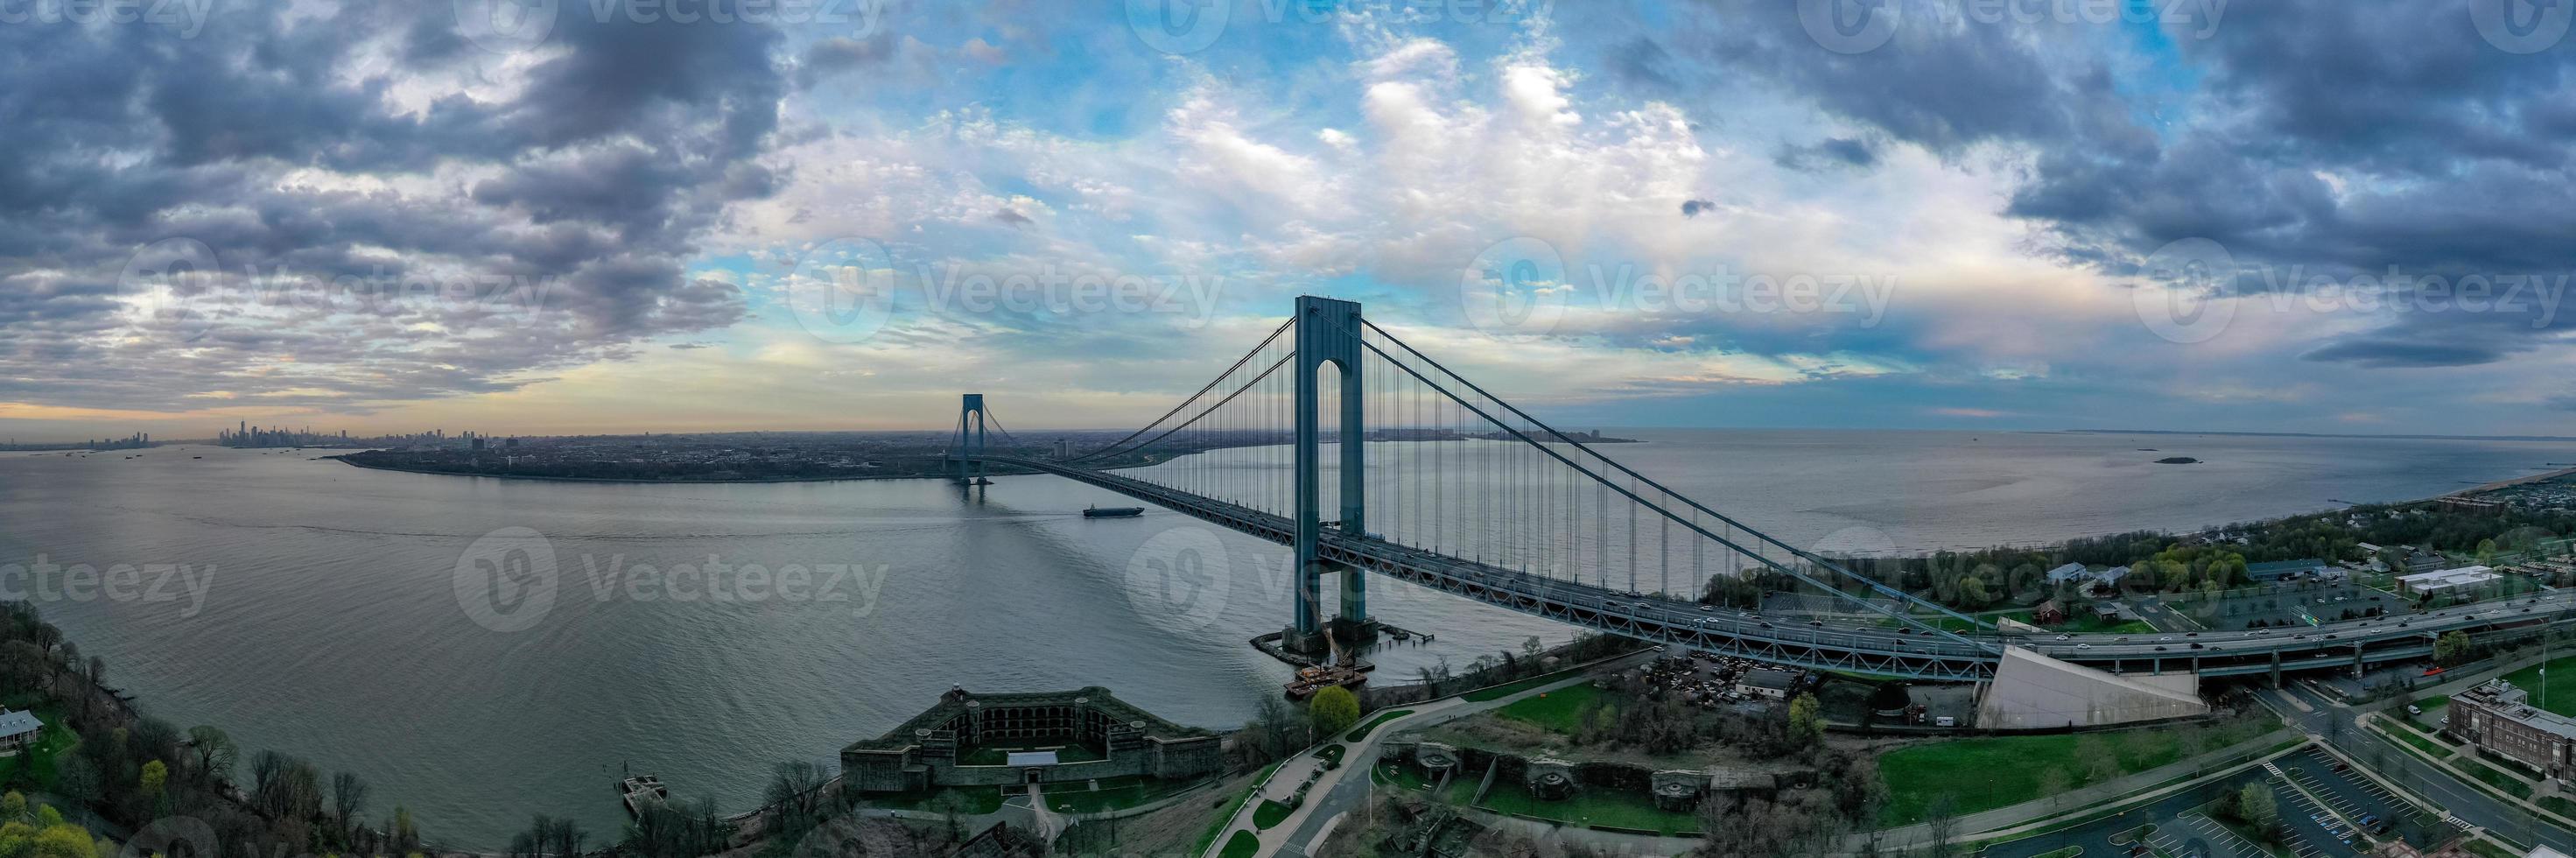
[2254, 804]
[1806, 722]
[2451, 648]
[214, 751]
[348, 799]
[1941, 820]
[1334, 710]
[2053, 783]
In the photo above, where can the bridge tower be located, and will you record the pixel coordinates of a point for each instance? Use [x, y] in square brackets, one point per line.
[1328, 332]
[968, 441]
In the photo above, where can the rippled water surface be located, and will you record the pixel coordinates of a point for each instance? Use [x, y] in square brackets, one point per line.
[345, 617]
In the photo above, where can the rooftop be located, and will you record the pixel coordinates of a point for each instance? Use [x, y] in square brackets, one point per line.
[19, 723]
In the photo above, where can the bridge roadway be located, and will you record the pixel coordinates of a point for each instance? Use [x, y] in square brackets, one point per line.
[1855, 648]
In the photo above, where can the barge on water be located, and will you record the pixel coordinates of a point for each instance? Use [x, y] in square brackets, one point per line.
[1112, 511]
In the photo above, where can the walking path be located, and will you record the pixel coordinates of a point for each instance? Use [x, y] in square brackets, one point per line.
[1336, 791]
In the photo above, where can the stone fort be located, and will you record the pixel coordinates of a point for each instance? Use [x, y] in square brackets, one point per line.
[972, 739]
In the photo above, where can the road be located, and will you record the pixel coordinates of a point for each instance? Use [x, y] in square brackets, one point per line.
[2336, 725]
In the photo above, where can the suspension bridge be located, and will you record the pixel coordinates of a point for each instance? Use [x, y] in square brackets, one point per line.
[1365, 455]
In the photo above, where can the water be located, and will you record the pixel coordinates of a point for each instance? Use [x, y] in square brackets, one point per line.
[346, 618]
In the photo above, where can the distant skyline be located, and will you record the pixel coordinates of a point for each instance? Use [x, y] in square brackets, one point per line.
[1727, 216]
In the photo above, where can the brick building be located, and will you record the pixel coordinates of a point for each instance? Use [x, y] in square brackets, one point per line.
[2499, 719]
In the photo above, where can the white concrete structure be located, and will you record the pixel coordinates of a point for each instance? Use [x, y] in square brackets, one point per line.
[2033, 691]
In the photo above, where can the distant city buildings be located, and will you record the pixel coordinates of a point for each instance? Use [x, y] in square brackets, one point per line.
[245, 435]
[136, 441]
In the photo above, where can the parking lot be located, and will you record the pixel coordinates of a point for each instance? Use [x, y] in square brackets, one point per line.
[2178, 829]
[2355, 796]
[2313, 832]
[2198, 836]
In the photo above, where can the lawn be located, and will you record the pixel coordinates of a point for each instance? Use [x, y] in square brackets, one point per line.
[35, 764]
[1241, 845]
[1498, 692]
[2488, 849]
[1987, 773]
[1558, 710]
[1362, 731]
[2559, 694]
[1113, 794]
[972, 799]
[2494, 778]
[2427, 745]
[1592, 807]
[1270, 814]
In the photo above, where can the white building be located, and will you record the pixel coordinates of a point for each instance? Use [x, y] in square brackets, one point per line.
[2465, 578]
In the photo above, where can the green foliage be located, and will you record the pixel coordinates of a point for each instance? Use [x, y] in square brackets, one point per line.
[1334, 710]
[2452, 648]
[1806, 721]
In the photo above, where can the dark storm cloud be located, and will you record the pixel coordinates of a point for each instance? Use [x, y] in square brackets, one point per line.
[2393, 353]
[1831, 152]
[2309, 137]
[593, 181]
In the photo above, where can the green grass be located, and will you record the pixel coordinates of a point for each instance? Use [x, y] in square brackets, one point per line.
[1987, 773]
[35, 763]
[1332, 753]
[1241, 845]
[2488, 849]
[1362, 731]
[2558, 805]
[1591, 807]
[1498, 692]
[1233, 805]
[1270, 814]
[2068, 852]
[1560, 710]
[2412, 738]
[1113, 794]
[2560, 692]
[2494, 778]
[976, 799]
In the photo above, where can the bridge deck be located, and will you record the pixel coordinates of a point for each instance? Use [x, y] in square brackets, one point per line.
[1862, 649]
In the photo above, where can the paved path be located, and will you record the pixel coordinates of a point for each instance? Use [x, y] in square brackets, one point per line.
[1344, 789]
